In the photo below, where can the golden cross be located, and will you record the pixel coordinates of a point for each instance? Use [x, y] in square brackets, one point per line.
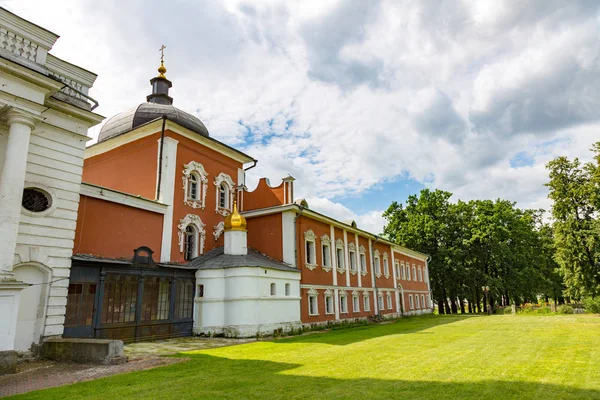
[162, 52]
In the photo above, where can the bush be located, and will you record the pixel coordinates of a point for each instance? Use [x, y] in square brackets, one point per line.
[565, 309]
[592, 305]
[508, 310]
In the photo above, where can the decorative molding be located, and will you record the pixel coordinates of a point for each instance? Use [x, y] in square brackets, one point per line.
[197, 169]
[365, 293]
[312, 292]
[219, 180]
[310, 266]
[18, 45]
[361, 249]
[328, 292]
[325, 239]
[310, 235]
[339, 244]
[327, 268]
[192, 219]
[98, 192]
[351, 247]
[343, 293]
[355, 293]
[219, 229]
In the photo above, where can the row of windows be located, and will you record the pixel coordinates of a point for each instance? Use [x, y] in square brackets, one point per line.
[313, 303]
[416, 304]
[403, 270]
[273, 289]
[195, 186]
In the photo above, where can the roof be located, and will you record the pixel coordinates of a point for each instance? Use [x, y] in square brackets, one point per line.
[146, 112]
[122, 261]
[217, 259]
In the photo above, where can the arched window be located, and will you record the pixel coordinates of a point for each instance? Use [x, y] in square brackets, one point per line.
[190, 244]
[195, 184]
[273, 289]
[225, 188]
[191, 236]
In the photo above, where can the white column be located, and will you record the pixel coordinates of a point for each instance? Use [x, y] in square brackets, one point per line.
[347, 256]
[12, 181]
[395, 281]
[358, 265]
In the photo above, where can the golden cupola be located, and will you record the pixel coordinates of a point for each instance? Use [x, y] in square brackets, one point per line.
[235, 221]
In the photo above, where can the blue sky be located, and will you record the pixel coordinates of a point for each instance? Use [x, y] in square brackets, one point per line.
[363, 102]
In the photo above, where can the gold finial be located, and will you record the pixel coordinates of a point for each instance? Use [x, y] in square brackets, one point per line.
[162, 70]
[235, 221]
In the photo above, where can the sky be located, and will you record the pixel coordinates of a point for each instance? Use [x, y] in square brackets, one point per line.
[363, 102]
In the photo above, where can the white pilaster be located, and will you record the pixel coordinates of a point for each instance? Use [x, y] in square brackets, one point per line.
[395, 280]
[288, 230]
[167, 192]
[347, 256]
[12, 181]
[358, 265]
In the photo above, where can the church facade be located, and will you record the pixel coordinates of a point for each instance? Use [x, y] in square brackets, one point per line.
[161, 238]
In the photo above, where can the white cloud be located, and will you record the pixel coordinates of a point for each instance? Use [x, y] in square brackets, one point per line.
[345, 96]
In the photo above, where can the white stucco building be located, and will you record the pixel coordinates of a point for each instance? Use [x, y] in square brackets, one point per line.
[45, 113]
[243, 292]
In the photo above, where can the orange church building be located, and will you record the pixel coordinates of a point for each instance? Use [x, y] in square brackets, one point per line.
[158, 183]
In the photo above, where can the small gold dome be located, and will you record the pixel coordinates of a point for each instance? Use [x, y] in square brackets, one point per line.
[235, 221]
[162, 70]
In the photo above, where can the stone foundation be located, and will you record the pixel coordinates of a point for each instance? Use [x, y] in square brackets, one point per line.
[8, 362]
[97, 351]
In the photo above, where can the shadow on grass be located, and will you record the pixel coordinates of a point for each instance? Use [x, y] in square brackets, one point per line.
[209, 377]
[344, 336]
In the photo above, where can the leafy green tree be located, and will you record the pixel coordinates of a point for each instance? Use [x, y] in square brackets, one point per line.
[575, 191]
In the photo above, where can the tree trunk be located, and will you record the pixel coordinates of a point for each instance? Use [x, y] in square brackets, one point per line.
[462, 306]
[447, 305]
[454, 308]
[469, 307]
[441, 306]
[491, 304]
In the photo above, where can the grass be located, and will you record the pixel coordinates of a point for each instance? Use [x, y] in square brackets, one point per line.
[435, 357]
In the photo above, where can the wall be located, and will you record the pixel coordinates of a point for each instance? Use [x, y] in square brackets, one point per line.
[130, 168]
[54, 163]
[237, 301]
[263, 196]
[214, 163]
[113, 230]
[265, 235]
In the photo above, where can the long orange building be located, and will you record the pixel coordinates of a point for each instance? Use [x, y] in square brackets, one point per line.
[154, 255]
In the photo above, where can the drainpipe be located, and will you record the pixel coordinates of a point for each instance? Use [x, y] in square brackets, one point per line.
[160, 156]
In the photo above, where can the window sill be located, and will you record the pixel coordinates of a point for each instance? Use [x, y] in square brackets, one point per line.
[341, 270]
[310, 266]
[363, 273]
[353, 271]
[326, 268]
[378, 275]
[313, 315]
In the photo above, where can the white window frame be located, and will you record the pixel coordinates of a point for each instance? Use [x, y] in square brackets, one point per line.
[329, 296]
[377, 261]
[423, 301]
[389, 300]
[410, 302]
[313, 295]
[195, 169]
[366, 301]
[194, 239]
[340, 261]
[380, 301]
[352, 260]
[386, 265]
[397, 268]
[355, 302]
[420, 274]
[417, 302]
[414, 271]
[408, 271]
[310, 239]
[326, 253]
[273, 289]
[224, 180]
[343, 302]
[362, 258]
[192, 219]
[403, 268]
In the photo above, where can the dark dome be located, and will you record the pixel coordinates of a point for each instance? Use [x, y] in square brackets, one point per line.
[146, 112]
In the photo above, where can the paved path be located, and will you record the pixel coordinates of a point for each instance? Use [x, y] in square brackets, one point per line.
[36, 375]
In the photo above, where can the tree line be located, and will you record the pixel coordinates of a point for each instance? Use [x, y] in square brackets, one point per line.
[490, 252]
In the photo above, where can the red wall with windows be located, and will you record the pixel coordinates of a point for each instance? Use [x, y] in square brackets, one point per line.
[318, 276]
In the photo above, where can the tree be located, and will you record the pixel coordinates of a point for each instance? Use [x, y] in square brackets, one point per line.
[575, 190]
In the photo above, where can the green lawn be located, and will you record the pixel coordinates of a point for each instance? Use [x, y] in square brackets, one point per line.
[435, 357]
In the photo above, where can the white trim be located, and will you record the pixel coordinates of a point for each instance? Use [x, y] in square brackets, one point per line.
[155, 127]
[192, 219]
[339, 245]
[196, 169]
[218, 230]
[325, 241]
[310, 237]
[167, 192]
[114, 196]
[221, 179]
